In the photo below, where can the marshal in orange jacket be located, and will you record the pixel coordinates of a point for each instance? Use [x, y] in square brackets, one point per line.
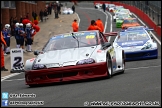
[100, 24]
[75, 26]
[2, 53]
[94, 27]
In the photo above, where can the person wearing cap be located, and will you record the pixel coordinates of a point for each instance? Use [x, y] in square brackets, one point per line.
[100, 24]
[93, 26]
[75, 26]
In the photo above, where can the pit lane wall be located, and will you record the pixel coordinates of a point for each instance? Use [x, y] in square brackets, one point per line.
[144, 17]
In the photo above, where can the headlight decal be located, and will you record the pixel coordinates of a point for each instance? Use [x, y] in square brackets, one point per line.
[38, 66]
[86, 61]
[148, 45]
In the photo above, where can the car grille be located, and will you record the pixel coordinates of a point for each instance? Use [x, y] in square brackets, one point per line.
[135, 55]
[61, 75]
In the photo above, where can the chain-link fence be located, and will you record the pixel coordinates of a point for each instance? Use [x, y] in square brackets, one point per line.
[151, 8]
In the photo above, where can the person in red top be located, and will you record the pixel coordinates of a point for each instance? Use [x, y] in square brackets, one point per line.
[75, 26]
[100, 24]
[2, 53]
[93, 26]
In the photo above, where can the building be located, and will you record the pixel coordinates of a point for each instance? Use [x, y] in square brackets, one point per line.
[17, 8]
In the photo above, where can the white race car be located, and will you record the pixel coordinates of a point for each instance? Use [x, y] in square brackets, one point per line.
[67, 11]
[98, 6]
[111, 7]
[74, 56]
[120, 15]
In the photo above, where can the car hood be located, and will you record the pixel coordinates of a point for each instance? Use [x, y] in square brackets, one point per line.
[66, 56]
[119, 21]
[132, 43]
[131, 25]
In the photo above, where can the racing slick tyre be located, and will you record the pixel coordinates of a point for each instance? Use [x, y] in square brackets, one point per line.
[109, 66]
[123, 60]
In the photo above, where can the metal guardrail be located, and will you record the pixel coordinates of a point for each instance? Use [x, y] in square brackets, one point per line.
[151, 8]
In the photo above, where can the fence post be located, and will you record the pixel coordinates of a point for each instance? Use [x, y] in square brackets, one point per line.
[149, 11]
[158, 24]
[153, 14]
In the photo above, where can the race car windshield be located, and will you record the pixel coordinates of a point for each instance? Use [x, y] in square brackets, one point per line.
[67, 41]
[133, 36]
[122, 16]
[127, 21]
[124, 11]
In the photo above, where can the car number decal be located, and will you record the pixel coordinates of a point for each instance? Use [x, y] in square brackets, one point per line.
[90, 36]
[111, 51]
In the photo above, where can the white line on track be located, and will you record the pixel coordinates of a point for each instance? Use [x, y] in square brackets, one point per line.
[9, 76]
[102, 12]
[105, 21]
[151, 31]
[16, 79]
[78, 18]
[143, 67]
[110, 25]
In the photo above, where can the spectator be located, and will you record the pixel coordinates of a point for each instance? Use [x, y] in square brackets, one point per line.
[15, 21]
[7, 33]
[28, 37]
[56, 11]
[41, 15]
[35, 15]
[49, 9]
[21, 19]
[12, 26]
[59, 8]
[45, 14]
[73, 8]
[27, 16]
[104, 7]
[17, 37]
[22, 36]
[24, 26]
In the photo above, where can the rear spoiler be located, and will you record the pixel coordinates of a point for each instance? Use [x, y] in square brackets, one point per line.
[110, 34]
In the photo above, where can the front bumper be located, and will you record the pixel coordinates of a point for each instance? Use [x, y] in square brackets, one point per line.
[143, 54]
[68, 73]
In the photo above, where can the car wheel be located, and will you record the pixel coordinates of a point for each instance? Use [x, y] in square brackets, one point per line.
[123, 61]
[109, 67]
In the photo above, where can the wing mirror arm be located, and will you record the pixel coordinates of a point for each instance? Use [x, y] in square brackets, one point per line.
[36, 52]
[106, 45]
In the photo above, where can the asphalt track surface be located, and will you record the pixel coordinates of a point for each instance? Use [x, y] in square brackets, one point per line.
[140, 82]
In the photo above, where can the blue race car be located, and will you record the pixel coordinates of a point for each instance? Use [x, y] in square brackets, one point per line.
[137, 43]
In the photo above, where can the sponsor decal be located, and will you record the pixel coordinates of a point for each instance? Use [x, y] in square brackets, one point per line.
[132, 43]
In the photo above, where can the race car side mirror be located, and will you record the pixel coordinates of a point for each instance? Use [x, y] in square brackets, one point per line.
[106, 45]
[36, 52]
